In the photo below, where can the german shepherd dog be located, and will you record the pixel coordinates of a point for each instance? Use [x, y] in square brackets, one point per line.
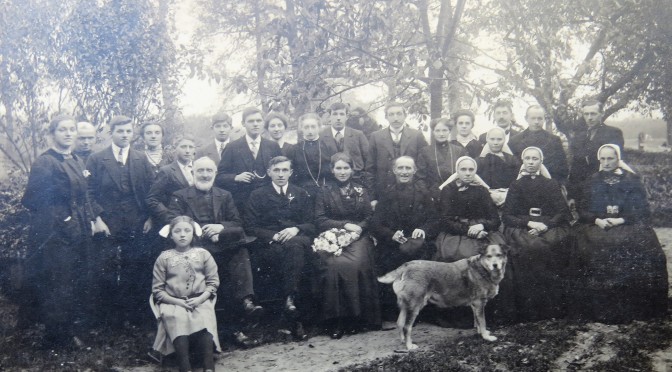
[471, 281]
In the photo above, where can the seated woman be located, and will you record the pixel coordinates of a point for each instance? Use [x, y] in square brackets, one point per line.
[618, 263]
[468, 216]
[347, 282]
[436, 161]
[463, 124]
[496, 165]
[536, 220]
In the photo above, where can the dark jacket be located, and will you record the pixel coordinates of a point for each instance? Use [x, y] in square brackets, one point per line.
[498, 172]
[628, 195]
[429, 167]
[169, 180]
[105, 188]
[540, 192]
[381, 155]
[331, 213]
[355, 145]
[555, 159]
[461, 209]
[390, 215]
[267, 212]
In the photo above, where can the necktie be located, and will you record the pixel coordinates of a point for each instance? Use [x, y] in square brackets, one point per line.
[282, 192]
[339, 140]
[120, 159]
[220, 149]
[254, 148]
[190, 174]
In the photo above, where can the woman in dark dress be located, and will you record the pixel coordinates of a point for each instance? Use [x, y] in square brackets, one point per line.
[436, 162]
[60, 233]
[536, 220]
[496, 165]
[463, 124]
[152, 135]
[276, 125]
[469, 218]
[619, 265]
[347, 282]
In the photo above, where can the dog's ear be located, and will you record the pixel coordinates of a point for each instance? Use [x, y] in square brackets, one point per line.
[505, 248]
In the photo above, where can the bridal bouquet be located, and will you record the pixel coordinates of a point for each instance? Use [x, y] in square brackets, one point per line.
[333, 241]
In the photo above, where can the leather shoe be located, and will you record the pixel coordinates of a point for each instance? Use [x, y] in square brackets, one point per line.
[241, 340]
[251, 309]
[299, 333]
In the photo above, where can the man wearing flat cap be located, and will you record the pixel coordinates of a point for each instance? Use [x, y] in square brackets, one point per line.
[213, 208]
[119, 179]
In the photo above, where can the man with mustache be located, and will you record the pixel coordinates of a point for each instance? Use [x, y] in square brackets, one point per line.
[118, 182]
[86, 138]
[213, 208]
[502, 113]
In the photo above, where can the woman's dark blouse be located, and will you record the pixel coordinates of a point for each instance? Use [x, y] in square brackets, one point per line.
[57, 196]
[473, 148]
[461, 209]
[498, 172]
[628, 194]
[334, 210]
[447, 153]
[539, 192]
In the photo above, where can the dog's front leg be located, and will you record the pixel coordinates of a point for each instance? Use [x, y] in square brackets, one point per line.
[478, 308]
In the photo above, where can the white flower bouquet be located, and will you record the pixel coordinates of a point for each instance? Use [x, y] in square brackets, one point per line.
[333, 241]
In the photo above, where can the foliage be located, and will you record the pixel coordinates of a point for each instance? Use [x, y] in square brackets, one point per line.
[559, 52]
[655, 170]
[14, 219]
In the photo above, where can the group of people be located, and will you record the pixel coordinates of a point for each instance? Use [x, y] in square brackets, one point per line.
[245, 211]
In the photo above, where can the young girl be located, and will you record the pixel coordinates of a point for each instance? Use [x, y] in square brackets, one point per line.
[184, 287]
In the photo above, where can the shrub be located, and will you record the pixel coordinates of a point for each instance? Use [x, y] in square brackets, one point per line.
[14, 219]
[655, 169]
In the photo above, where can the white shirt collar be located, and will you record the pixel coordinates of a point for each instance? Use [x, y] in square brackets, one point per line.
[186, 172]
[249, 139]
[279, 190]
[221, 145]
[397, 132]
[124, 154]
[334, 131]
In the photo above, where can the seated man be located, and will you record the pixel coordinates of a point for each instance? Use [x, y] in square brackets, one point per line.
[223, 236]
[280, 215]
[404, 220]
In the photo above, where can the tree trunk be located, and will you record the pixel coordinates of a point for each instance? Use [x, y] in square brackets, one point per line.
[435, 92]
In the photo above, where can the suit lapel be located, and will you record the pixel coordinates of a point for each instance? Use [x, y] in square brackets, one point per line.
[387, 142]
[403, 141]
[110, 163]
[217, 200]
[335, 194]
[246, 154]
[178, 175]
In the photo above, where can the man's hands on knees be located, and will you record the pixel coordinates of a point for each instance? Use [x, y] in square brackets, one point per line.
[212, 230]
[284, 235]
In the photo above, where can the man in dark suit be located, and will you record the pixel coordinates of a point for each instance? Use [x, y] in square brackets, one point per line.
[172, 177]
[587, 140]
[221, 127]
[280, 215]
[551, 145]
[243, 165]
[341, 138]
[502, 113]
[223, 235]
[388, 144]
[119, 181]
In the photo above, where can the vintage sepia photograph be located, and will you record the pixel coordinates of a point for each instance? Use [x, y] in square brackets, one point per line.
[335, 185]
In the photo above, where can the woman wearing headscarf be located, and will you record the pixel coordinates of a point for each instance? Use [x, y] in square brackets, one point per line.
[347, 282]
[468, 216]
[463, 124]
[497, 165]
[619, 266]
[60, 233]
[436, 162]
[536, 220]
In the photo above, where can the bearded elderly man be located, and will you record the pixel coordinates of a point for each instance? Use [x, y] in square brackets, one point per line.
[213, 208]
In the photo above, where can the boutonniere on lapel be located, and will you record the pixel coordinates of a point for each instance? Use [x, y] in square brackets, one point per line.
[359, 191]
[86, 173]
[290, 197]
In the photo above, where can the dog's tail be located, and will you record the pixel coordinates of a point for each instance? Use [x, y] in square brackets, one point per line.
[393, 275]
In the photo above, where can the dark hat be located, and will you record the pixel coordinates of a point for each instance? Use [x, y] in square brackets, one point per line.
[232, 237]
[412, 246]
[119, 120]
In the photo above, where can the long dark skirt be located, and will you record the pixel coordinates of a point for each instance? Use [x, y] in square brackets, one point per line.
[348, 284]
[619, 274]
[451, 248]
[540, 264]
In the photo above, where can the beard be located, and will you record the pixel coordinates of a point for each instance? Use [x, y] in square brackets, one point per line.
[204, 185]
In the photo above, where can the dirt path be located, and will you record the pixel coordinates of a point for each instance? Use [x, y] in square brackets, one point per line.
[591, 346]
